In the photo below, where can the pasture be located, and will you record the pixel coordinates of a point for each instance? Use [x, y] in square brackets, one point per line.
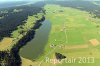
[71, 32]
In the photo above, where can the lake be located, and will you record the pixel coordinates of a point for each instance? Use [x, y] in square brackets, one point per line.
[33, 49]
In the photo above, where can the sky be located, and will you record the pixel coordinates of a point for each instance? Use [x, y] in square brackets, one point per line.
[38, 0]
[17, 0]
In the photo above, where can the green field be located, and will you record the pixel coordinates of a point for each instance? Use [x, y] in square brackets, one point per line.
[74, 33]
[71, 32]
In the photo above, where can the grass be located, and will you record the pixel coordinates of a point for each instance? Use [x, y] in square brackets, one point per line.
[27, 62]
[8, 43]
[71, 27]
[5, 43]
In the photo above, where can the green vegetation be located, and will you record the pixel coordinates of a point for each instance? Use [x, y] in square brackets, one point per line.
[17, 10]
[21, 31]
[74, 33]
[5, 11]
[70, 35]
[96, 3]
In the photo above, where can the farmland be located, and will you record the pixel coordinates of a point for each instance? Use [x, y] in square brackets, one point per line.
[51, 33]
[71, 32]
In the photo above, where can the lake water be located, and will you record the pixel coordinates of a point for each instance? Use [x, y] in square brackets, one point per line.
[35, 47]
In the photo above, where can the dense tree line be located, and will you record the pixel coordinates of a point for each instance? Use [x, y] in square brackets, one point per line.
[29, 36]
[12, 3]
[13, 19]
[9, 23]
[12, 58]
[59, 56]
[81, 5]
[9, 58]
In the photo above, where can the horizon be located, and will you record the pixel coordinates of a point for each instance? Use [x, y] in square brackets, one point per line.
[4, 1]
[44, 0]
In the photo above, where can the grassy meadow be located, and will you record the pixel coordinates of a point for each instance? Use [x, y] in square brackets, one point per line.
[71, 32]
